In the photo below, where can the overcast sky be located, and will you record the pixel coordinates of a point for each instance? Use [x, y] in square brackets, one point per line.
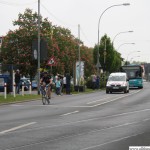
[70, 13]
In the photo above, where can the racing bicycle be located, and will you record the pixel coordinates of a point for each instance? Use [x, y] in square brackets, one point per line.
[44, 92]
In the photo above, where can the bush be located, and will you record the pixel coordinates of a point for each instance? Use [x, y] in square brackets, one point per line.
[89, 82]
[71, 88]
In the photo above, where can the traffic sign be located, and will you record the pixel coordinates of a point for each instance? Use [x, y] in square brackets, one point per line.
[52, 61]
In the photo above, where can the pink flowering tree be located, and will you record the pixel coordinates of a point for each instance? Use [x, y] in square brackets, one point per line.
[17, 46]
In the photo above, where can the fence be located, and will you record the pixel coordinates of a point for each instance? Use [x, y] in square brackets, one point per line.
[14, 89]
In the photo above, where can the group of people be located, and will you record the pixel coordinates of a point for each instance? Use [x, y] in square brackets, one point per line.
[61, 83]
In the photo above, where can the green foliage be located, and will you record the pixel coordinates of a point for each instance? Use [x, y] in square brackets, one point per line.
[89, 82]
[18, 98]
[60, 43]
[112, 58]
[103, 80]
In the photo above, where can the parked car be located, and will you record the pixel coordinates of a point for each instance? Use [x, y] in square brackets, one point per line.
[26, 84]
[34, 85]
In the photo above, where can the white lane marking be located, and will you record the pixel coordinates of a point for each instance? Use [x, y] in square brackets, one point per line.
[97, 100]
[70, 113]
[93, 131]
[16, 128]
[114, 99]
[87, 120]
[117, 140]
[101, 99]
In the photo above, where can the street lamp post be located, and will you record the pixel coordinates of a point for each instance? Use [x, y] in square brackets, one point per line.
[133, 58]
[79, 56]
[119, 34]
[130, 54]
[98, 65]
[123, 44]
[105, 57]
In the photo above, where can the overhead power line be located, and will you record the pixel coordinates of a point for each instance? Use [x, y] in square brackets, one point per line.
[59, 20]
[85, 36]
[71, 25]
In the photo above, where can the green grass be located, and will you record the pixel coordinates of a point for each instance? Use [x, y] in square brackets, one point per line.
[18, 98]
[86, 91]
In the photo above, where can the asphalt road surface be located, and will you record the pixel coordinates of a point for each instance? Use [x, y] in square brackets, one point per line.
[96, 121]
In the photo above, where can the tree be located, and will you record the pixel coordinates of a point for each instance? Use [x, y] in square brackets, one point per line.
[60, 43]
[112, 57]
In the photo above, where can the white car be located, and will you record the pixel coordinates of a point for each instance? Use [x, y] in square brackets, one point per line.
[117, 82]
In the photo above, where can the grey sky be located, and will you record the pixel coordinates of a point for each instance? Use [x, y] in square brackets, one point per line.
[70, 13]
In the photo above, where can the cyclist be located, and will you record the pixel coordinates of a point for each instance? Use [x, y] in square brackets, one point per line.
[46, 81]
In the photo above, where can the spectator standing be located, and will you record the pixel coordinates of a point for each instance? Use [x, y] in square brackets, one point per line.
[94, 82]
[64, 84]
[97, 82]
[58, 86]
[17, 81]
[68, 78]
[61, 82]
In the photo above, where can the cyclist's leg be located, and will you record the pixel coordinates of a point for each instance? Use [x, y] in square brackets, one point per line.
[47, 94]
[47, 91]
[43, 92]
[43, 96]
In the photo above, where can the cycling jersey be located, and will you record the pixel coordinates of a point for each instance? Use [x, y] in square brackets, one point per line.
[46, 79]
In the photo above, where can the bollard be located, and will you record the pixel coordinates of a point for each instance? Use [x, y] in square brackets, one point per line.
[22, 88]
[14, 89]
[5, 90]
[30, 89]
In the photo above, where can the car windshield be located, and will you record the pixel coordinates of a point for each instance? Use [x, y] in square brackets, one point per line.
[116, 78]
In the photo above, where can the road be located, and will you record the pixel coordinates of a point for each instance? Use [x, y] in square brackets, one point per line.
[96, 121]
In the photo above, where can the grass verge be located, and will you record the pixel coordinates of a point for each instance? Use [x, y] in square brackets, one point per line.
[27, 97]
[18, 98]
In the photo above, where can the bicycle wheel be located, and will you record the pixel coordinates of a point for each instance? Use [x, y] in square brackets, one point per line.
[47, 100]
[44, 99]
[48, 97]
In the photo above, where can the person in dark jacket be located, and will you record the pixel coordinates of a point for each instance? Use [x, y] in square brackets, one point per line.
[97, 82]
[17, 81]
[68, 79]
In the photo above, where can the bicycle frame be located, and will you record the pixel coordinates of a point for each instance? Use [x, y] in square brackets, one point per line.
[45, 98]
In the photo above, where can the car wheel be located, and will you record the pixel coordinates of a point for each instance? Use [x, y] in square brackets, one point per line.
[107, 91]
[125, 91]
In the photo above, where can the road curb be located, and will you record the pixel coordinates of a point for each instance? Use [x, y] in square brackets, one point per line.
[28, 100]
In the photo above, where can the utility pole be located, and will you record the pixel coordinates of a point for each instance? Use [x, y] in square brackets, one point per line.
[79, 55]
[105, 57]
[38, 47]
